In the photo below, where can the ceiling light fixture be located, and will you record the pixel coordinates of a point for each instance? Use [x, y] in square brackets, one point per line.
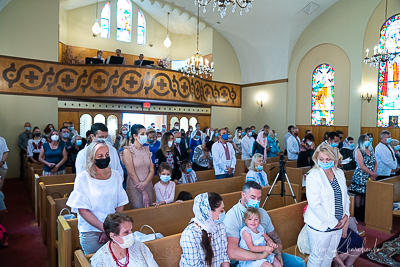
[223, 5]
[383, 52]
[96, 27]
[167, 41]
[196, 65]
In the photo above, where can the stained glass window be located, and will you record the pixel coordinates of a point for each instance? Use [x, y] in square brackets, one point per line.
[124, 20]
[141, 28]
[105, 21]
[85, 124]
[388, 81]
[323, 96]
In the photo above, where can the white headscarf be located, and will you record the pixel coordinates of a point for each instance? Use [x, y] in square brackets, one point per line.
[346, 144]
[202, 213]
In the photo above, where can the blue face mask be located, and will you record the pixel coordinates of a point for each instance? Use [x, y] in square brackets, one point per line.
[249, 134]
[165, 178]
[326, 166]
[397, 148]
[252, 203]
[27, 128]
[225, 136]
[388, 140]
[243, 133]
[189, 170]
[65, 135]
[334, 145]
[71, 128]
[150, 141]
[367, 143]
[352, 145]
[216, 134]
[163, 129]
[260, 167]
[221, 218]
[253, 131]
[78, 142]
[370, 139]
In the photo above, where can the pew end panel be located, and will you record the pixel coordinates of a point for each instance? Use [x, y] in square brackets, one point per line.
[206, 175]
[240, 167]
[80, 259]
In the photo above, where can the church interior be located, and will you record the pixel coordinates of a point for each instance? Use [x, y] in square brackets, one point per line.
[318, 65]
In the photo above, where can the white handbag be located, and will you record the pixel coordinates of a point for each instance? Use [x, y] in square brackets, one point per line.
[138, 235]
[302, 241]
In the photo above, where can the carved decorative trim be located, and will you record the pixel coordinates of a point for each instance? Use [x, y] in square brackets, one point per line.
[32, 77]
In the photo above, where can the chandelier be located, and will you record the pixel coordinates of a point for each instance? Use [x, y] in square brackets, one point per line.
[223, 5]
[382, 53]
[196, 65]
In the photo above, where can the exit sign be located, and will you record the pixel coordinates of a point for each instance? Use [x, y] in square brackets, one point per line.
[146, 105]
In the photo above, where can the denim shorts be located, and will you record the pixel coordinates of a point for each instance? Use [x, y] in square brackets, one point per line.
[2, 205]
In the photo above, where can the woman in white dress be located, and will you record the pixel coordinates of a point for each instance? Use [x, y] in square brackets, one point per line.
[97, 192]
[122, 250]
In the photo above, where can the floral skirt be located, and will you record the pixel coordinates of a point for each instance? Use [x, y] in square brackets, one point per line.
[53, 173]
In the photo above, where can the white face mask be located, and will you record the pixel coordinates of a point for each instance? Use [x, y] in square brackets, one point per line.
[159, 139]
[309, 143]
[54, 137]
[142, 139]
[129, 240]
[124, 132]
[170, 143]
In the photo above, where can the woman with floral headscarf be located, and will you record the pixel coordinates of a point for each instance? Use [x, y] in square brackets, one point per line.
[204, 241]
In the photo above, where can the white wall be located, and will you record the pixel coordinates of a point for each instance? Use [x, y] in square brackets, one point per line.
[225, 117]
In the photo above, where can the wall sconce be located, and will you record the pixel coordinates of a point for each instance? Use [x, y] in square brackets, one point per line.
[151, 44]
[367, 97]
[260, 103]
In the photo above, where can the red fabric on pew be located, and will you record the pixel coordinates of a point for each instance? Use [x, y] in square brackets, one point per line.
[26, 247]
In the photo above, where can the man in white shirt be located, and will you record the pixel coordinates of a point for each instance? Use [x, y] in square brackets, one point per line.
[99, 132]
[287, 135]
[385, 158]
[3, 158]
[247, 146]
[224, 158]
[293, 144]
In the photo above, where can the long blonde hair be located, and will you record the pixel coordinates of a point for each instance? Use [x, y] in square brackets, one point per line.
[90, 166]
[327, 149]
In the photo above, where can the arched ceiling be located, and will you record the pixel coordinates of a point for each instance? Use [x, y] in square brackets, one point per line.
[263, 38]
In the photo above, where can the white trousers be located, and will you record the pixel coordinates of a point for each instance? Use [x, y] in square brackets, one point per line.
[323, 246]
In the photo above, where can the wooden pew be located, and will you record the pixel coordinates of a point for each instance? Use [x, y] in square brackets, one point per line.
[177, 215]
[349, 176]
[54, 190]
[48, 180]
[201, 176]
[275, 159]
[166, 252]
[30, 178]
[295, 175]
[240, 167]
[272, 173]
[379, 199]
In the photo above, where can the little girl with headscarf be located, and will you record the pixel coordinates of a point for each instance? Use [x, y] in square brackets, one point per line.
[204, 241]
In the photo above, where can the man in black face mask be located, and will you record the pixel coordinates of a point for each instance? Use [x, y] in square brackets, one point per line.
[99, 132]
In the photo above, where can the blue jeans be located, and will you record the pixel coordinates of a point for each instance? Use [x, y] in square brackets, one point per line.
[288, 261]
[222, 176]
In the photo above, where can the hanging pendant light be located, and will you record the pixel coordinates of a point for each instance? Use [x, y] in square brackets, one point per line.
[167, 41]
[96, 27]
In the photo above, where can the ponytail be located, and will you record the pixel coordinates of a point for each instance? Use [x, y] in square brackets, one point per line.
[207, 248]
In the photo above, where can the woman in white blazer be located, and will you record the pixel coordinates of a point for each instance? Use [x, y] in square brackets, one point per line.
[328, 206]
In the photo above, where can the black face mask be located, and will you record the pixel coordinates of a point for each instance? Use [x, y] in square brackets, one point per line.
[102, 163]
[37, 134]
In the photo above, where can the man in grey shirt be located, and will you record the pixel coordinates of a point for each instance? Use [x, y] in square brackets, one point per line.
[289, 134]
[23, 145]
[251, 196]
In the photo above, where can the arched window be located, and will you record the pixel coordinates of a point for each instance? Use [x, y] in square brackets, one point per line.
[85, 122]
[99, 118]
[388, 81]
[192, 122]
[141, 28]
[172, 122]
[105, 21]
[184, 124]
[112, 125]
[323, 95]
[124, 20]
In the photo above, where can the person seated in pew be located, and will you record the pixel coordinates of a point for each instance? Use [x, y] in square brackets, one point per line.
[203, 241]
[35, 145]
[328, 206]
[140, 169]
[98, 132]
[272, 144]
[97, 192]
[77, 145]
[183, 196]
[53, 155]
[165, 188]
[260, 146]
[366, 169]
[202, 158]
[224, 158]
[251, 196]
[166, 153]
[256, 171]
[347, 152]
[121, 249]
[188, 175]
[254, 239]
[307, 148]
